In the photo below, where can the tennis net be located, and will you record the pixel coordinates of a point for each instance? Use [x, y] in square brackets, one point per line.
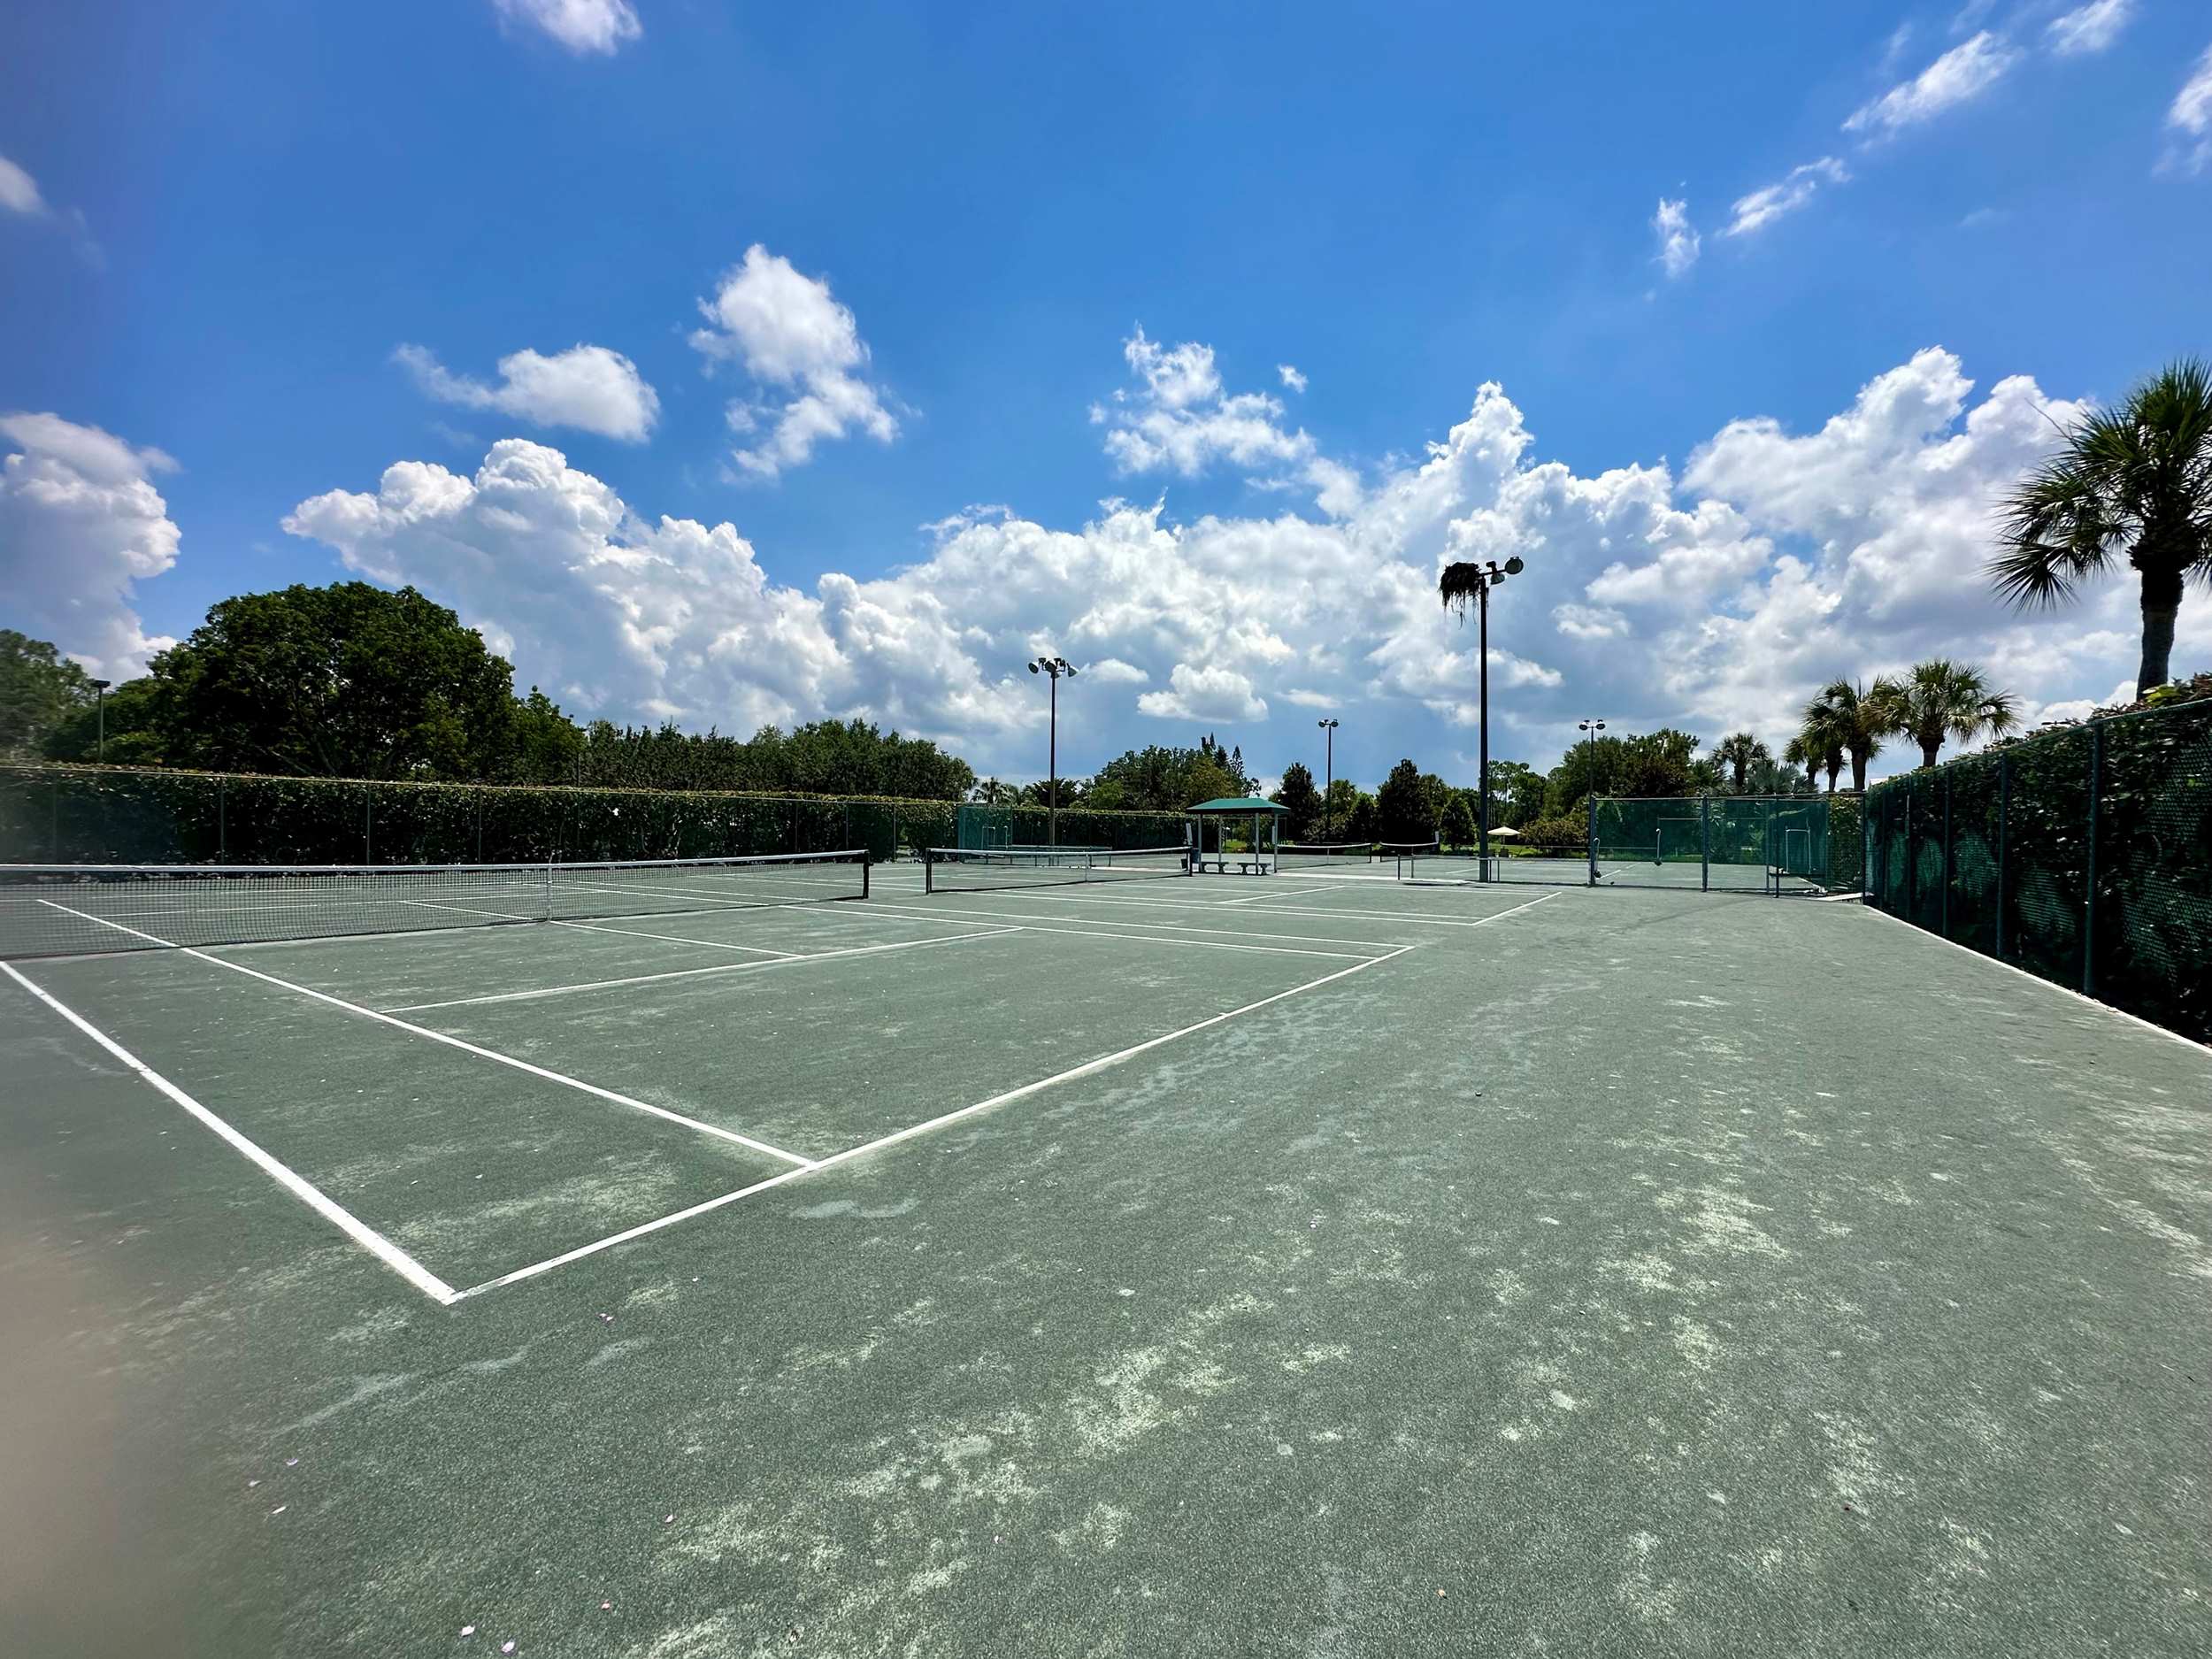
[1305, 855]
[71, 910]
[968, 869]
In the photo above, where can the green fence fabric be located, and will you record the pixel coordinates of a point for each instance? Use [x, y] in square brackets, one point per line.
[137, 816]
[982, 828]
[2083, 856]
[1778, 843]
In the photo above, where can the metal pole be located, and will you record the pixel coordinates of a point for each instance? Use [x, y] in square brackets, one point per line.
[1328, 782]
[100, 694]
[1052, 809]
[1943, 910]
[2089, 909]
[1482, 856]
[1705, 843]
[2004, 829]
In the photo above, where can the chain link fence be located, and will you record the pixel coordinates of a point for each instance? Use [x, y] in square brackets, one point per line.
[2083, 856]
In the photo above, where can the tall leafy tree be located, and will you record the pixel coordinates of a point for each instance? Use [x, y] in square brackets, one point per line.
[345, 682]
[40, 689]
[1297, 792]
[1940, 699]
[2131, 484]
[1739, 751]
[1403, 808]
[1460, 827]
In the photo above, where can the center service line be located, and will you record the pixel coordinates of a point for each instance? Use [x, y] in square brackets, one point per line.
[1087, 1069]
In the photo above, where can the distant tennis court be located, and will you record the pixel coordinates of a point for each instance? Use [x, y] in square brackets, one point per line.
[703, 1259]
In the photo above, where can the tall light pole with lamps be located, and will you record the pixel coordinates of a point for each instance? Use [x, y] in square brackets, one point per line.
[1328, 773]
[1461, 582]
[1593, 727]
[1058, 668]
[100, 694]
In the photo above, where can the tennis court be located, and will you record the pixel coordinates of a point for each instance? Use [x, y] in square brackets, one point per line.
[1311, 1263]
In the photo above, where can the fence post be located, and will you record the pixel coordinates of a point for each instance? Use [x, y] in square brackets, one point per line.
[368, 829]
[222, 820]
[53, 821]
[2089, 897]
[2004, 833]
[1705, 843]
[1943, 906]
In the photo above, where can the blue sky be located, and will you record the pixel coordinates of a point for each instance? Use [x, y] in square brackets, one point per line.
[1775, 299]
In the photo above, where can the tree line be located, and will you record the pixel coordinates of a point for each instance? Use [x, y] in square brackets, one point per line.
[353, 681]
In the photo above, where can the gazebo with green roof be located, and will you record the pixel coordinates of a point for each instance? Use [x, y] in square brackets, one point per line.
[1259, 858]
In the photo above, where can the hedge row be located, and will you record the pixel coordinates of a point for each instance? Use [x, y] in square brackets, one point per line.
[63, 814]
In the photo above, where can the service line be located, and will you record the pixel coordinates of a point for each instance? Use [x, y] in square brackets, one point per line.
[1087, 1069]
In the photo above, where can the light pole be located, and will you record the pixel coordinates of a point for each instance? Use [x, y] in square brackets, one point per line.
[1593, 727]
[1461, 582]
[1328, 773]
[1056, 667]
[100, 695]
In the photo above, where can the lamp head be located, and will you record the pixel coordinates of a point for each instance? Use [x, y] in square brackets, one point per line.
[1032, 668]
[1513, 566]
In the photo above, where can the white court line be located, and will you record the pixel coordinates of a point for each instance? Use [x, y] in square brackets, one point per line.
[1031, 926]
[1334, 913]
[374, 1242]
[1256, 897]
[916, 912]
[456, 1043]
[671, 938]
[695, 973]
[1089, 1068]
[2048, 985]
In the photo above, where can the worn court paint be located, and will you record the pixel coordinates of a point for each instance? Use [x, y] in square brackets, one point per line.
[1589, 1269]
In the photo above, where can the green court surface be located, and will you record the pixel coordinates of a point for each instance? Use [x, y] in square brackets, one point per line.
[1311, 1265]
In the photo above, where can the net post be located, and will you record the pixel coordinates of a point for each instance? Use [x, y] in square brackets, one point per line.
[2004, 832]
[1705, 843]
[867, 866]
[2089, 908]
[1590, 812]
[545, 898]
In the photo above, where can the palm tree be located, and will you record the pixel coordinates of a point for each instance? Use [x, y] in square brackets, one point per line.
[1847, 711]
[1820, 743]
[1739, 751]
[1940, 699]
[2133, 482]
[1794, 753]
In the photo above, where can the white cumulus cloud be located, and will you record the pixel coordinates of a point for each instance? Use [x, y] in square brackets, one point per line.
[1763, 206]
[581, 26]
[1677, 239]
[1718, 597]
[2089, 28]
[1961, 75]
[1181, 419]
[80, 525]
[19, 191]
[588, 388]
[2190, 120]
[790, 334]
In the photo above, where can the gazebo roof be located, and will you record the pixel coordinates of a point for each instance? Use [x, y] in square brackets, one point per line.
[1237, 803]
